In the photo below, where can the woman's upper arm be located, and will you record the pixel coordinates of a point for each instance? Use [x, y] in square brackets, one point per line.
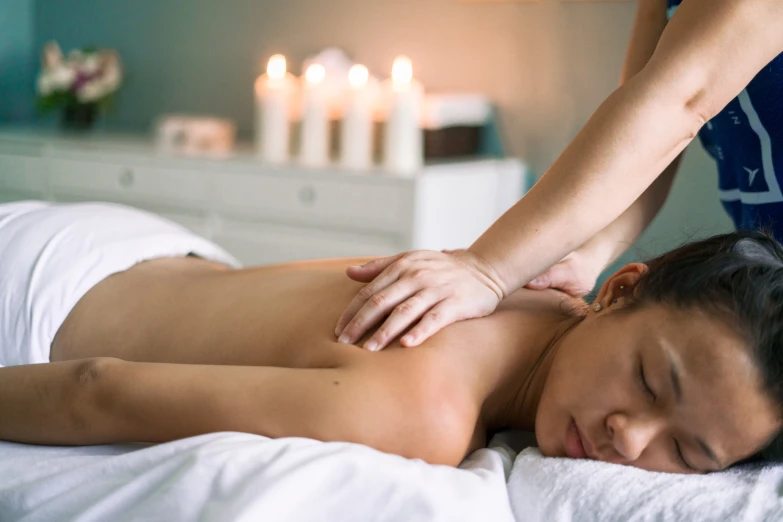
[711, 49]
[648, 26]
[384, 409]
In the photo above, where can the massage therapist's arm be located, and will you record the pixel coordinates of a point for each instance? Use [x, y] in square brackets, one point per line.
[578, 272]
[709, 51]
[102, 401]
[707, 54]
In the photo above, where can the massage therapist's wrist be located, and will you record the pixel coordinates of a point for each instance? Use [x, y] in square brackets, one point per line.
[487, 273]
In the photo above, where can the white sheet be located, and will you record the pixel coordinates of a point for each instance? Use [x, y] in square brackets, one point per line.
[239, 477]
[228, 477]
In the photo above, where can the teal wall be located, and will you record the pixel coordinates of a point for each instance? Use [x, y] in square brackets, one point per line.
[692, 211]
[547, 65]
[17, 60]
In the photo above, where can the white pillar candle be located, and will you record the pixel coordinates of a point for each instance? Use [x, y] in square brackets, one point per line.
[274, 95]
[356, 131]
[315, 119]
[403, 143]
[273, 111]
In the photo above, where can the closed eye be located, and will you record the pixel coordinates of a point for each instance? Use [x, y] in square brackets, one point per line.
[681, 457]
[645, 385]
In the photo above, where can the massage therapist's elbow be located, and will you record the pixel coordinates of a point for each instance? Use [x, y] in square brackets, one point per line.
[698, 112]
[687, 91]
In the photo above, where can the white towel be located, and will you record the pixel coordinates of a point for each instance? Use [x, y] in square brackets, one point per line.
[51, 255]
[567, 490]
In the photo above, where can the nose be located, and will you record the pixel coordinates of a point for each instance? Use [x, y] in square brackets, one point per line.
[630, 436]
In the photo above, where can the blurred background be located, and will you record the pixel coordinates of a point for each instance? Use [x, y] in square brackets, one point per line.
[545, 64]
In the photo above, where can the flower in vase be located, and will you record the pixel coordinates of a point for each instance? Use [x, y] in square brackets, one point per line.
[87, 77]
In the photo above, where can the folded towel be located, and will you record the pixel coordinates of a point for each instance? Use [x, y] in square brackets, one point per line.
[53, 254]
[554, 490]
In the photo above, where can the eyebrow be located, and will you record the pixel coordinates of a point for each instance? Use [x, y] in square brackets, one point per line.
[675, 375]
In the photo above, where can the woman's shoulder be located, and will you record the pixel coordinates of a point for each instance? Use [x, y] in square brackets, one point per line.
[427, 395]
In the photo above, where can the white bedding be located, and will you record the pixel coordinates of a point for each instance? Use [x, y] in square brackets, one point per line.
[239, 477]
[229, 477]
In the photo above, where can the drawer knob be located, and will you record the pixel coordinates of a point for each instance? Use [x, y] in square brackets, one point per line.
[307, 195]
[126, 178]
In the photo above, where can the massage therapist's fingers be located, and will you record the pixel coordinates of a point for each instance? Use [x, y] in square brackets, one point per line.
[540, 283]
[375, 308]
[369, 306]
[460, 278]
[572, 275]
[385, 279]
[403, 315]
[432, 322]
[369, 271]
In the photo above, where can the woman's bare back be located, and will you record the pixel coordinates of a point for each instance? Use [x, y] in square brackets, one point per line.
[190, 311]
[272, 329]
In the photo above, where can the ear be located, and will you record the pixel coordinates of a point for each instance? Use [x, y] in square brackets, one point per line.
[617, 290]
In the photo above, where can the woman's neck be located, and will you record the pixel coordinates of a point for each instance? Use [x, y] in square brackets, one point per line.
[514, 401]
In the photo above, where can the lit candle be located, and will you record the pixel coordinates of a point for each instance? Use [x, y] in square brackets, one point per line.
[274, 93]
[315, 119]
[357, 125]
[403, 144]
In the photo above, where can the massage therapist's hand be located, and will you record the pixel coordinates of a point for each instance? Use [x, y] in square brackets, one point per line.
[574, 275]
[425, 288]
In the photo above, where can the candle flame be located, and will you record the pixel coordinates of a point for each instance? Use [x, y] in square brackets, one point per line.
[276, 68]
[358, 76]
[316, 73]
[402, 71]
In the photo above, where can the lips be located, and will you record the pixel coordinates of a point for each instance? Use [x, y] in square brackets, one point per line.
[574, 445]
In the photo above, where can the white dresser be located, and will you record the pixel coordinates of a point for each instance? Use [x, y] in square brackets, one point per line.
[260, 213]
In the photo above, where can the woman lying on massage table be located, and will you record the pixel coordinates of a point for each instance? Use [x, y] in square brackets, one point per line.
[675, 367]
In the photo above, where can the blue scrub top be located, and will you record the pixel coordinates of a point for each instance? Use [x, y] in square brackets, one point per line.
[746, 141]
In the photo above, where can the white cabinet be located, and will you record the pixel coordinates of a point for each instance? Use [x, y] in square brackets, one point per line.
[262, 243]
[264, 214]
[21, 177]
[350, 203]
[123, 182]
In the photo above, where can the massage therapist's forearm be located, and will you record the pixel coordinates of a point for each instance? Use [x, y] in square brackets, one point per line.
[590, 184]
[609, 244]
[707, 54]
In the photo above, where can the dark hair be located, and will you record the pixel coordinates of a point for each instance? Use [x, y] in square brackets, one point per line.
[738, 276]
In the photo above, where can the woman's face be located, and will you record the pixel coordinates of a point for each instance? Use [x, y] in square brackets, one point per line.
[655, 388]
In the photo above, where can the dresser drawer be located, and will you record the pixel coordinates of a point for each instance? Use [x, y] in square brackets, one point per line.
[359, 204]
[265, 244]
[115, 182]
